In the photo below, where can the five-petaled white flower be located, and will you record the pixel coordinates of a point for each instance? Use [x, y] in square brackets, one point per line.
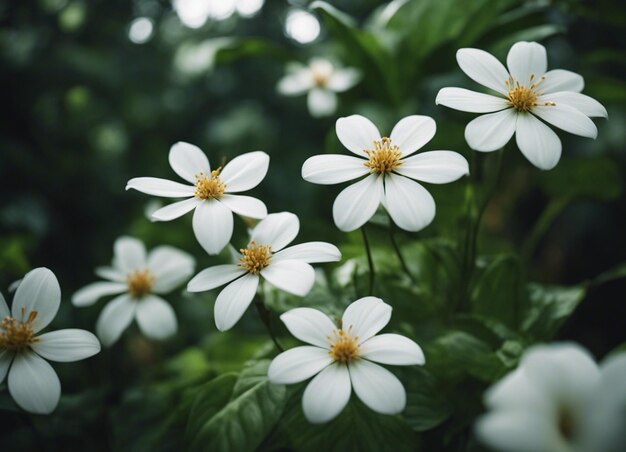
[389, 170]
[211, 193]
[321, 80]
[343, 358]
[287, 269]
[558, 399]
[527, 93]
[32, 382]
[137, 276]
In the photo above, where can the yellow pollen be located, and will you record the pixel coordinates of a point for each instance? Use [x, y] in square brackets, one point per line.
[524, 98]
[17, 335]
[384, 158]
[208, 187]
[139, 283]
[344, 347]
[320, 79]
[255, 257]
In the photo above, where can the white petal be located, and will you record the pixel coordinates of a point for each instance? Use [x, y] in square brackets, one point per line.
[298, 364]
[483, 68]
[161, 187]
[491, 132]
[175, 210]
[233, 301]
[276, 230]
[245, 171]
[343, 79]
[526, 60]
[170, 267]
[309, 325]
[413, 132]
[296, 83]
[110, 273]
[213, 225]
[435, 167]
[466, 100]
[38, 292]
[333, 169]
[321, 102]
[327, 394]
[89, 294]
[215, 276]
[377, 388]
[115, 318]
[357, 133]
[156, 318]
[366, 317]
[561, 80]
[129, 254]
[311, 252]
[392, 349]
[357, 203]
[539, 144]
[516, 391]
[188, 160]
[409, 204]
[246, 206]
[296, 277]
[33, 383]
[519, 431]
[567, 118]
[66, 345]
[6, 358]
[585, 104]
[4, 308]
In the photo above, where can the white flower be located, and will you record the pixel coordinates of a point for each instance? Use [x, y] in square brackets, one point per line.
[389, 172]
[137, 276]
[210, 193]
[32, 382]
[321, 80]
[343, 358]
[287, 269]
[526, 92]
[558, 400]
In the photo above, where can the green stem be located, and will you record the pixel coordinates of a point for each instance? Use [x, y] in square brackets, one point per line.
[266, 318]
[541, 226]
[392, 237]
[370, 261]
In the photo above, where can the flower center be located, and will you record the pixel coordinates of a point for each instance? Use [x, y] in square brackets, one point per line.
[566, 423]
[384, 158]
[344, 347]
[255, 257]
[524, 98]
[208, 187]
[15, 335]
[320, 79]
[139, 283]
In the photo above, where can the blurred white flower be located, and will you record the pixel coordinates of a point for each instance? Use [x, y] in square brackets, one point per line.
[558, 400]
[526, 92]
[343, 358]
[137, 276]
[32, 382]
[389, 172]
[211, 193]
[287, 269]
[320, 80]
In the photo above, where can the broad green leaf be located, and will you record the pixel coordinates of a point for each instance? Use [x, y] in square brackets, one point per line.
[426, 405]
[549, 307]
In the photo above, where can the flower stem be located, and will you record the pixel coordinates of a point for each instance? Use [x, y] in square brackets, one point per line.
[392, 237]
[266, 318]
[370, 261]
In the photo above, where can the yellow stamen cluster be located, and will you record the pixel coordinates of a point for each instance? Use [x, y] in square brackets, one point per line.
[384, 158]
[320, 79]
[524, 98]
[566, 423]
[344, 347]
[16, 336]
[255, 257]
[139, 283]
[209, 187]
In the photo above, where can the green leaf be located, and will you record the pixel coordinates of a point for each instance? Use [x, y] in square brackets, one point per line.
[426, 405]
[235, 414]
[549, 307]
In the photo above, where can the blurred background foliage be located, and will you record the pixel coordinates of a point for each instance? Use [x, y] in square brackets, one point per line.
[96, 92]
